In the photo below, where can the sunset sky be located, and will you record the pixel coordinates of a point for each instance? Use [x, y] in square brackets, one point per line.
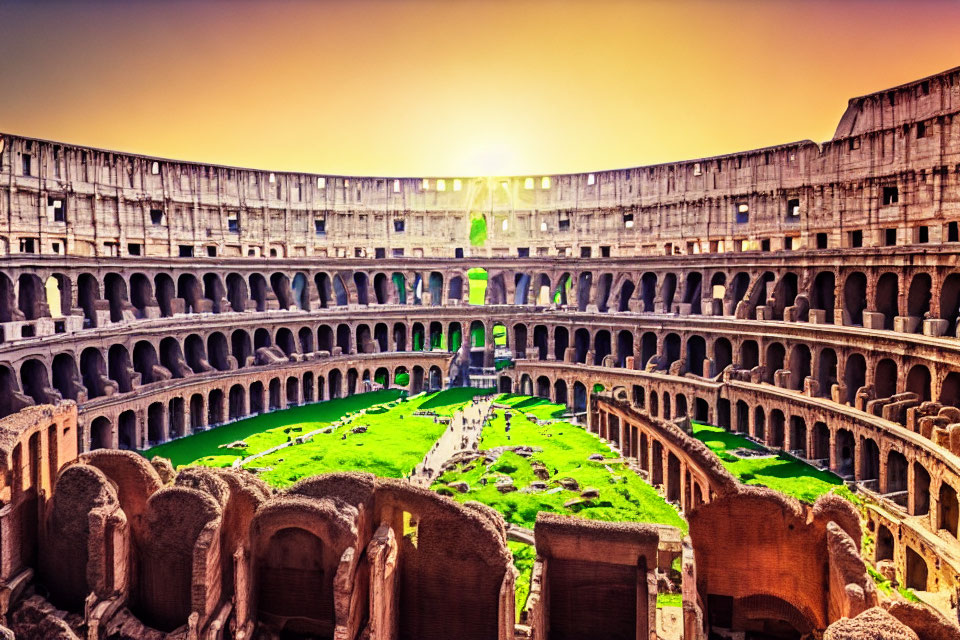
[471, 87]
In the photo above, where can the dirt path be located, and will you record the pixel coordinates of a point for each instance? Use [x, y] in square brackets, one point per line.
[462, 435]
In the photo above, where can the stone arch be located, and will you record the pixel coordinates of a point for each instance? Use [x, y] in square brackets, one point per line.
[854, 376]
[950, 302]
[918, 298]
[214, 291]
[855, 298]
[237, 293]
[885, 378]
[822, 296]
[887, 298]
[918, 381]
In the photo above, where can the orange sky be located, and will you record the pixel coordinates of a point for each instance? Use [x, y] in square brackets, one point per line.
[471, 87]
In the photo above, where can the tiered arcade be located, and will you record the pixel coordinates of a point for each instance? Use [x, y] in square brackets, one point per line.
[806, 294]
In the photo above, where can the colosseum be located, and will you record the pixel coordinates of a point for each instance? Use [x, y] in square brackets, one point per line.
[801, 300]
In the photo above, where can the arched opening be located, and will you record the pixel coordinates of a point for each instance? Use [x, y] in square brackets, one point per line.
[88, 292]
[854, 376]
[324, 289]
[543, 387]
[435, 287]
[400, 336]
[624, 347]
[101, 434]
[821, 444]
[885, 378]
[869, 460]
[799, 366]
[305, 340]
[603, 291]
[823, 294]
[579, 397]
[114, 289]
[601, 346]
[749, 354]
[218, 353]
[560, 392]
[339, 291]
[238, 401]
[626, 294]
[258, 291]
[798, 436]
[256, 398]
[66, 378]
[784, 295]
[360, 282]
[887, 298]
[722, 356]
[561, 342]
[273, 389]
[916, 577]
[775, 357]
[885, 544]
[241, 347]
[94, 372]
[307, 387]
[343, 338]
[189, 289]
[581, 343]
[127, 430]
[380, 289]
[454, 337]
[196, 353]
[335, 383]
[918, 298]
[541, 341]
[301, 292]
[237, 292]
[897, 477]
[455, 291]
[776, 436]
[668, 290]
[671, 349]
[293, 390]
[918, 382]
[948, 511]
[855, 298]
[584, 286]
[742, 414]
[648, 348]
[175, 417]
[213, 291]
[950, 302]
[759, 424]
[921, 490]
[33, 377]
[280, 284]
[846, 450]
[692, 293]
[295, 584]
[119, 368]
[648, 292]
[696, 354]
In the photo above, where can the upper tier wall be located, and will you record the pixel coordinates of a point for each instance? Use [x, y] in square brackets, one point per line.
[891, 173]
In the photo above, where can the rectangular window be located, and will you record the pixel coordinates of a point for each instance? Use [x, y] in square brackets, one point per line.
[55, 246]
[545, 182]
[853, 144]
[457, 184]
[628, 220]
[156, 216]
[398, 253]
[458, 252]
[697, 170]
[743, 212]
[793, 208]
[27, 164]
[320, 226]
[211, 252]
[523, 252]
[591, 179]
[856, 238]
[528, 183]
[441, 185]
[133, 249]
[321, 183]
[890, 237]
[56, 209]
[399, 224]
[186, 251]
[821, 241]
[396, 186]
[921, 130]
[380, 253]
[891, 195]
[585, 252]
[953, 232]
[155, 168]
[563, 223]
[765, 244]
[923, 234]
[605, 251]
[233, 223]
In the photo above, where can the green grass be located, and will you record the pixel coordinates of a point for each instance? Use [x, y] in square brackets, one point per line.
[263, 431]
[781, 472]
[524, 556]
[477, 281]
[395, 440]
[565, 452]
[478, 231]
[669, 600]
[885, 587]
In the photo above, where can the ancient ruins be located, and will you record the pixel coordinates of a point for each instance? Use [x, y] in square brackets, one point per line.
[806, 295]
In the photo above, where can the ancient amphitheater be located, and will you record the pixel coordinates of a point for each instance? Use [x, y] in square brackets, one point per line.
[805, 295]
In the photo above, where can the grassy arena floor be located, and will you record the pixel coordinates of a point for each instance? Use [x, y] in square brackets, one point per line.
[565, 450]
[781, 472]
[393, 443]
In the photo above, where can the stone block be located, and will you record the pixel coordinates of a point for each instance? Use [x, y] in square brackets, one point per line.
[935, 327]
[873, 320]
[906, 324]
